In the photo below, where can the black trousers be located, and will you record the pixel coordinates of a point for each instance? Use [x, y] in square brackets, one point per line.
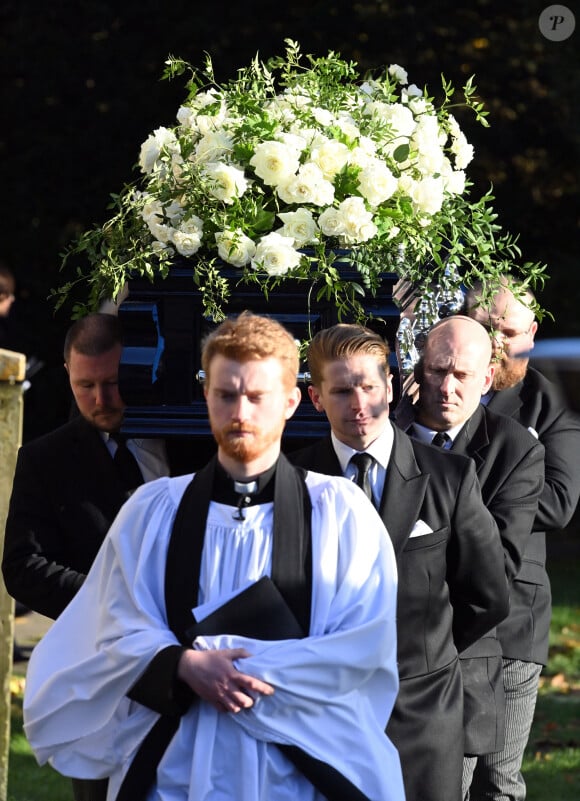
[90, 789]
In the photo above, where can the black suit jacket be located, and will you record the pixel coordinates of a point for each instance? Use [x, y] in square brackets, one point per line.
[452, 589]
[510, 467]
[536, 403]
[65, 496]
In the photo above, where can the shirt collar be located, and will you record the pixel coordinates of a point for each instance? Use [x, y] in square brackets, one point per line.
[424, 434]
[379, 449]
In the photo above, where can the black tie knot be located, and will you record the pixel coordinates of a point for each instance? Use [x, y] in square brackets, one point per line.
[363, 463]
[440, 439]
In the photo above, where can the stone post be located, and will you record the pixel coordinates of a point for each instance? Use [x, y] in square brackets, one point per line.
[12, 370]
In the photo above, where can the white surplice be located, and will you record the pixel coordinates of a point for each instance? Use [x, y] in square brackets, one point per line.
[334, 690]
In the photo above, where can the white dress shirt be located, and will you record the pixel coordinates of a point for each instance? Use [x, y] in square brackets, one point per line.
[379, 449]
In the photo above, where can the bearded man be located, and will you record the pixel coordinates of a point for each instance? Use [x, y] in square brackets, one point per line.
[521, 392]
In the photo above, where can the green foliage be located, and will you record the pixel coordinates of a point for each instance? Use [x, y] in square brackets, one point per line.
[376, 168]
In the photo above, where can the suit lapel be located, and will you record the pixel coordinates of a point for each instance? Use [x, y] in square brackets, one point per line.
[324, 459]
[88, 448]
[507, 401]
[404, 491]
[473, 437]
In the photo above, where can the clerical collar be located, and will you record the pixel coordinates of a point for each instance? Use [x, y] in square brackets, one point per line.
[241, 494]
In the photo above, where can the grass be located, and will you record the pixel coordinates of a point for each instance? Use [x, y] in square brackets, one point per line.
[552, 761]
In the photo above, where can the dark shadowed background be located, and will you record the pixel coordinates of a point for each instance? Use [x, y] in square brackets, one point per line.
[80, 91]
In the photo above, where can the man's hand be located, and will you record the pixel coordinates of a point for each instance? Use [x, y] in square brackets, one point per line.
[213, 677]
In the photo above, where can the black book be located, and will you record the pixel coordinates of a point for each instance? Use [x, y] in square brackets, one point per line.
[259, 612]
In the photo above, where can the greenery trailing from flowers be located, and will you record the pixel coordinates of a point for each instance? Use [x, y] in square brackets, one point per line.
[281, 170]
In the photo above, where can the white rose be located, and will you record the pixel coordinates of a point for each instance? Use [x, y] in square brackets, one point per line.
[357, 221]
[203, 99]
[323, 116]
[275, 254]
[275, 162]
[331, 222]
[376, 182]
[185, 116]
[427, 195]
[429, 140]
[308, 186]
[398, 73]
[213, 146]
[300, 225]
[454, 181]
[187, 236]
[234, 247]
[462, 151]
[296, 139]
[412, 91]
[162, 139]
[154, 216]
[226, 182]
[331, 157]
[348, 126]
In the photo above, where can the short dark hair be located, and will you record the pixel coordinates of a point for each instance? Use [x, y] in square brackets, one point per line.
[93, 335]
[342, 341]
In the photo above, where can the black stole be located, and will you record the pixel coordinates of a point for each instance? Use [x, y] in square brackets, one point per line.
[292, 574]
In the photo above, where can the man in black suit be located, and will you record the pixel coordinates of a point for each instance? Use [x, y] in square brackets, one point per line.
[67, 486]
[525, 395]
[452, 586]
[452, 375]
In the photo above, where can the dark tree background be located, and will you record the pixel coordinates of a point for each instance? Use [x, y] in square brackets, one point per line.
[81, 90]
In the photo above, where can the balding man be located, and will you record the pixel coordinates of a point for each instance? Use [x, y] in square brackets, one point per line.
[453, 374]
[525, 395]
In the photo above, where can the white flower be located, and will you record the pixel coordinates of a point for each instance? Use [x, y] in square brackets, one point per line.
[331, 222]
[331, 156]
[300, 225]
[162, 139]
[453, 180]
[308, 186]
[413, 91]
[213, 146]
[154, 216]
[275, 255]
[398, 73]
[399, 117]
[376, 182]
[357, 222]
[275, 162]
[251, 173]
[226, 182]
[187, 236]
[427, 195]
[235, 248]
[323, 116]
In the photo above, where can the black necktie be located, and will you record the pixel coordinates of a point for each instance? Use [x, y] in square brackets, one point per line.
[440, 439]
[363, 463]
[126, 464]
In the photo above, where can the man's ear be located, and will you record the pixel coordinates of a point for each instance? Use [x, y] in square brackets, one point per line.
[294, 398]
[488, 379]
[314, 396]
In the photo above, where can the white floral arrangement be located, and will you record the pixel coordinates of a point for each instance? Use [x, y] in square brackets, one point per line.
[287, 171]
